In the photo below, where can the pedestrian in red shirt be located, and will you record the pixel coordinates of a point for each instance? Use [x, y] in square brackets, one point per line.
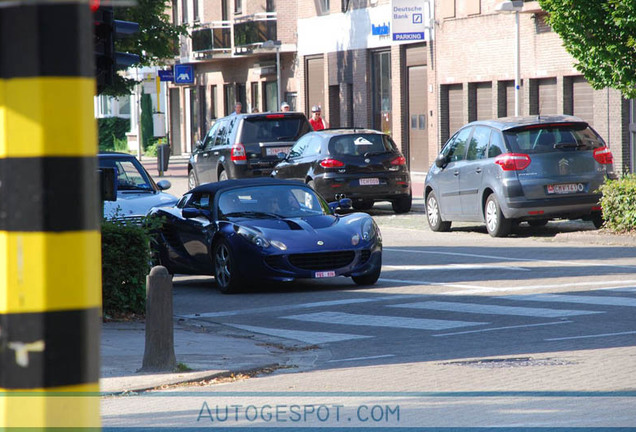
[316, 120]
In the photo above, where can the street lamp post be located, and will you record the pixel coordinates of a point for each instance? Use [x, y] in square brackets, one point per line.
[270, 44]
[514, 6]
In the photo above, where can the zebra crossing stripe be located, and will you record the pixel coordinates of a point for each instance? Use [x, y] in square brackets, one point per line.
[382, 321]
[489, 309]
[312, 338]
[560, 298]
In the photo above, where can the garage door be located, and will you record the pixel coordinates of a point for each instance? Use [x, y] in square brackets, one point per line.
[484, 101]
[583, 99]
[547, 91]
[455, 108]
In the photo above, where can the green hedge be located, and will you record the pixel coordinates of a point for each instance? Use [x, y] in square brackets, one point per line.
[619, 204]
[125, 265]
[111, 129]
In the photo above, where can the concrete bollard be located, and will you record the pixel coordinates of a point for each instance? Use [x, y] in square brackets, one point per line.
[159, 350]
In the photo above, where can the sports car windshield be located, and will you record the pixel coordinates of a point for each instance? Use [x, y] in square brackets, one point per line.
[129, 175]
[276, 201]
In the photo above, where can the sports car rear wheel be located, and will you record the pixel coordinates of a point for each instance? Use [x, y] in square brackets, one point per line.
[227, 278]
[369, 278]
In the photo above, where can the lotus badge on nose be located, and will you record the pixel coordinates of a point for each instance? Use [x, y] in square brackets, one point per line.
[320, 242]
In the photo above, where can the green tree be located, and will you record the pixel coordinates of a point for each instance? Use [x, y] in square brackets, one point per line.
[601, 36]
[156, 42]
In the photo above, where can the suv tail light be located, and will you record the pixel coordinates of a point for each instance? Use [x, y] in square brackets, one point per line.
[400, 160]
[513, 161]
[603, 155]
[238, 153]
[331, 163]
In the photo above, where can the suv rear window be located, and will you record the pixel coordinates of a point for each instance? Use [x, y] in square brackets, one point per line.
[551, 138]
[264, 129]
[360, 144]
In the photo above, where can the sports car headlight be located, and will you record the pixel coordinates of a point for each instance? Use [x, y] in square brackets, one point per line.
[253, 236]
[369, 229]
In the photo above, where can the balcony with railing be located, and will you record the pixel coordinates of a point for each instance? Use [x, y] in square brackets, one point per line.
[252, 30]
[222, 39]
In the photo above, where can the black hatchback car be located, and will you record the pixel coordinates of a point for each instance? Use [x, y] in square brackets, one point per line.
[244, 145]
[361, 164]
[515, 169]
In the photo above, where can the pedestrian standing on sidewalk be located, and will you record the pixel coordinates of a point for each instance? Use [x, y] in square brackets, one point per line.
[316, 120]
[238, 107]
[284, 107]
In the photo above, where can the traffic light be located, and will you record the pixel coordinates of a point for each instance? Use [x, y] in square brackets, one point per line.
[107, 60]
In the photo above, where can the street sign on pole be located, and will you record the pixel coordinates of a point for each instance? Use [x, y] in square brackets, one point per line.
[183, 74]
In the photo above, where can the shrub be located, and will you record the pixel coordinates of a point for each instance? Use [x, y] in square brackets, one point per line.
[110, 129]
[619, 203]
[125, 265]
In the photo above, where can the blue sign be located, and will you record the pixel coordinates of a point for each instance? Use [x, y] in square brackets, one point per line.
[183, 74]
[380, 30]
[166, 75]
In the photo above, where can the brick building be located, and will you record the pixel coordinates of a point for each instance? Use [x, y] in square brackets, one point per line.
[340, 54]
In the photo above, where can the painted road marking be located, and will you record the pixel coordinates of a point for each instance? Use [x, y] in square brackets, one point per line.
[453, 267]
[382, 321]
[591, 300]
[489, 309]
[312, 338]
[361, 358]
[301, 306]
[592, 336]
[507, 258]
[502, 328]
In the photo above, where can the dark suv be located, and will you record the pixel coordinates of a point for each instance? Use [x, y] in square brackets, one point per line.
[361, 164]
[515, 169]
[244, 145]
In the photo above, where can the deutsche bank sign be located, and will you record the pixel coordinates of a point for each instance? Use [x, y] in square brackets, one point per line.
[408, 20]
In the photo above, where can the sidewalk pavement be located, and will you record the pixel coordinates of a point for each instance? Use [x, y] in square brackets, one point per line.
[206, 353]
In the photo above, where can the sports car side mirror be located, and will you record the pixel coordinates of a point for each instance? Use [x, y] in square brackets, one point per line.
[164, 184]
[441, 160]
[191, 213]
[199, 145]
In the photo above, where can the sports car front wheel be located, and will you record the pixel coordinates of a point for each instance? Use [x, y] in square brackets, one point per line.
[227, 278]
[371, 277]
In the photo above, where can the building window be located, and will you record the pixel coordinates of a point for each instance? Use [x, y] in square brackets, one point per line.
[270, 6]
[291, 98]
[230, 98]
[213, 112]
[238, 6]
[195, 10]
[381, 83]
[184, 11]
[256, 102]
[324, 6]
[271, 96]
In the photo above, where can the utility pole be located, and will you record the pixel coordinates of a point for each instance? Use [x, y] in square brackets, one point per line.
[50, 253]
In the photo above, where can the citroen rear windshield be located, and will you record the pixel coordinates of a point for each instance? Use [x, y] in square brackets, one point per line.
[547, 138]
[273, 128]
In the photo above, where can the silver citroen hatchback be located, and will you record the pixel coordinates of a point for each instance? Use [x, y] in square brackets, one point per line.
[508, 170]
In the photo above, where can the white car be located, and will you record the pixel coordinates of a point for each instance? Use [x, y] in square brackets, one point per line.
[137, 192]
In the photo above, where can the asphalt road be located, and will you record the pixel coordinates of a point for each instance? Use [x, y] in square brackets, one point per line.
[462, 331]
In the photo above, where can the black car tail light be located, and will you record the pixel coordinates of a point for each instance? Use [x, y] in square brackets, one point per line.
[603, 155]
[238, 153]
[400, 160]
[331, 163]
[513, 161]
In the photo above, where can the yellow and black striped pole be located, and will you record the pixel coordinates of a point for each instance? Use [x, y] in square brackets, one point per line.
[50, 263]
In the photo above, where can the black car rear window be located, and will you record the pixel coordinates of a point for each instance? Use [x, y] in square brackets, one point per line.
[552, 138]
[274, 128]
[360, 144]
